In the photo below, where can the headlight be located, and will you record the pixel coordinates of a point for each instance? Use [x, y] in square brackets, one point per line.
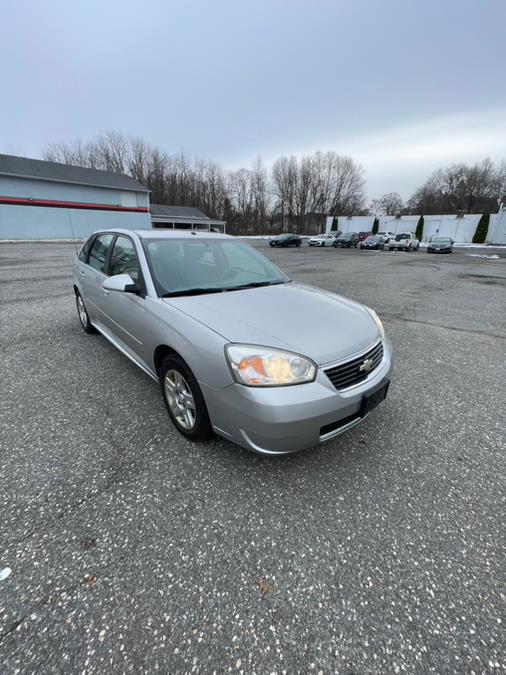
[377, 321]
[266, 367]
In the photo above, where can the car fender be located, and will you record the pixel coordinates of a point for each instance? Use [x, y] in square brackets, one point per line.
[202, 348]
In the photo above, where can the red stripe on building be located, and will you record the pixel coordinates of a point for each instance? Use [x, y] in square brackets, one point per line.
[15, 201]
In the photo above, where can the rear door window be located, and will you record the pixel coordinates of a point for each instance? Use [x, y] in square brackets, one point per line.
[98, 252]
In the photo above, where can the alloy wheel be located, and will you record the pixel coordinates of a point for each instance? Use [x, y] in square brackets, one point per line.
[180, 399]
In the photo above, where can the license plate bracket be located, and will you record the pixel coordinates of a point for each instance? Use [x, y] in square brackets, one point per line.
[373, 398]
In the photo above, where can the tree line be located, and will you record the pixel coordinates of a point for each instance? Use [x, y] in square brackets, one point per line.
[459, 188]
[295, 193]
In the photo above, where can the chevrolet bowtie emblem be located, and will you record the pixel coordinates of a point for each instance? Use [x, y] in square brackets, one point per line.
[366, 366]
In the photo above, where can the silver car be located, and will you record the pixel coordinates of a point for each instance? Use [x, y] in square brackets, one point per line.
[239, 349]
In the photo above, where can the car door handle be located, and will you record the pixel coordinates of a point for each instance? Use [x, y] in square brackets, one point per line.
[105, 291]
[83, 274]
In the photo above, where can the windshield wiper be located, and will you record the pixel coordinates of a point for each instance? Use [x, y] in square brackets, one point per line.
[193, 291]
[256, 284]
[202, 291]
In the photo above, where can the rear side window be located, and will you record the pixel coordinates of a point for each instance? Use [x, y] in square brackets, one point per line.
[124, 259]
[83, 254]
[98, 252]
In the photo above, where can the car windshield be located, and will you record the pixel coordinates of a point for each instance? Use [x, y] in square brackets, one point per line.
[400, 237]
[191, 266]
[441, 241]
[373, 239]
[347, 235]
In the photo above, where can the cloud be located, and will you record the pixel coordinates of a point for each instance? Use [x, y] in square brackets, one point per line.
[397, 159]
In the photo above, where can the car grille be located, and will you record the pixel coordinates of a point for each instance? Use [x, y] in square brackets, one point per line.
[347, 374]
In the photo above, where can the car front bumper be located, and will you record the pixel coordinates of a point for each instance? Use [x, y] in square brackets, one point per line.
[281, 420]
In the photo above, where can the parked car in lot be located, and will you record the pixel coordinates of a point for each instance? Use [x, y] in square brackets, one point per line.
[386, 236]
[237, 348]
[440, 245]
[346, 240]
[362, 236]
[374, 242]
[404, 241]
[285, 240]
[323, 239]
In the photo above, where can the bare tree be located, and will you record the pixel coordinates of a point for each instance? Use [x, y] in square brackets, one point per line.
[472, 189]
[390, 204]
[318, 185]
[260, 189]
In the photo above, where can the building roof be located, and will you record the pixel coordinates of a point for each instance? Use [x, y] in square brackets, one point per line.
[189, 213]
[24, 167]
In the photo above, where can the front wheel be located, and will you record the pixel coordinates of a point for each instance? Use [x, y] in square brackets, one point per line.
[83, 315]
[183, 399]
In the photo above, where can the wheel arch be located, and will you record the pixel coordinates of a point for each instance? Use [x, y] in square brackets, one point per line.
[161, 352]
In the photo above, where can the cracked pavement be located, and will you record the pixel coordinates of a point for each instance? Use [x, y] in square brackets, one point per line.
[134, 550]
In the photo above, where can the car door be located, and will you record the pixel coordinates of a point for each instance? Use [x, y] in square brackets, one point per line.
[92, 273]
[125, 311]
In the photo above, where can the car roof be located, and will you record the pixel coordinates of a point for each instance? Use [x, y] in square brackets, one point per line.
[167, 233]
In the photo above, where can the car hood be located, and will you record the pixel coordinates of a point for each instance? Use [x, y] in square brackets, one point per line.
[312, 322]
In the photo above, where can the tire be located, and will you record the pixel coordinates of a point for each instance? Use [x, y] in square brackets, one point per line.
[390, 248]
[298, 244]
[84, 317]
[176, 382]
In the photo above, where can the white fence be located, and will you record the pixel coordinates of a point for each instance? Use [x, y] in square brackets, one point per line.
[460, 229]
[497, 227]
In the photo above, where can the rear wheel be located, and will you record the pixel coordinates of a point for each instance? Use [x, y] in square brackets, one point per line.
[83, 315]
[183, 399]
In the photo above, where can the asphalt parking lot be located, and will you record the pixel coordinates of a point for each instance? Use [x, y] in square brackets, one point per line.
[135, 550]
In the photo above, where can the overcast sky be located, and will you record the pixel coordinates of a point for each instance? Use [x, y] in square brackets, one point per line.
[403, 86]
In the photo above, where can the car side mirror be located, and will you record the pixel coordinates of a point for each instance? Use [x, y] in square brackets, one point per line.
[120, 282]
